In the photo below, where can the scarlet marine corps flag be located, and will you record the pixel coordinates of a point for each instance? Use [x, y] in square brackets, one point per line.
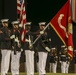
[62, 24]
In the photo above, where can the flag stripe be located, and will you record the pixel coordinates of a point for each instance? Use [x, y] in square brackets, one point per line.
[18, 7]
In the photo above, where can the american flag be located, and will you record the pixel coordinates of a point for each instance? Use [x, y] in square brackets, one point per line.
[22, 12]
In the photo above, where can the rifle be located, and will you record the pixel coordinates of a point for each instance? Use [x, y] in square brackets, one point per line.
[15, 42]
[39, 36]
[14, 47]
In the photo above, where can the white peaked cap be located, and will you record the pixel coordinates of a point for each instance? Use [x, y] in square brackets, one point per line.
[62, 46]
[42, 23]
[28, 23]
[53, 48]
[74, 50]
[4, 20]
[15, 22]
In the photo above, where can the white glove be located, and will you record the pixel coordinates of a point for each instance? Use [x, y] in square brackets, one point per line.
[50, 39]
[12, 47]
[60, 61]
[21, 49]
[47, 48]
[20, 25]
[27, 40]
[16, 40]
[41, 32]
[12, 37]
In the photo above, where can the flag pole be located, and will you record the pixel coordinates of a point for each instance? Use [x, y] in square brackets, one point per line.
[18, 15]
[40, 34]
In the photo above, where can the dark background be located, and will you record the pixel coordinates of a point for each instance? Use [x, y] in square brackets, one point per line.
[37, 11]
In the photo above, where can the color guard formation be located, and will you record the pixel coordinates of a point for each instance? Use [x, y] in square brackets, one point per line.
[12, 46]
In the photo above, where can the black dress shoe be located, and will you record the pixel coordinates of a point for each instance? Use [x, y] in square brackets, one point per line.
[43, 74]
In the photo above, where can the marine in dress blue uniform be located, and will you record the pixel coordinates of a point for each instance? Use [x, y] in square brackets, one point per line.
[74, 59]
[5, 46]
[29, 51]
[63, 59]
[16, 48]
[43, 45]
[53, 60]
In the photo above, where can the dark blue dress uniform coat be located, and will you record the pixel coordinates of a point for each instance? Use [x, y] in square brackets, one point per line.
[43, 42]
[5, 38]
[16, 32]
[26, 44]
